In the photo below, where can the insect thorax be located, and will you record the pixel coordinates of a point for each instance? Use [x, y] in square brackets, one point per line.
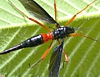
[62, 32]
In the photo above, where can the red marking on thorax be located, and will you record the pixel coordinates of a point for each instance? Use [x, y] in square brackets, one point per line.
[47, 37]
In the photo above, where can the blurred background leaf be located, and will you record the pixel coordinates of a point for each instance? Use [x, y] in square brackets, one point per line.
[83, 54]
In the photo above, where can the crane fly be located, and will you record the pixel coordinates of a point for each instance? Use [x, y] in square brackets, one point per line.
[60, 32]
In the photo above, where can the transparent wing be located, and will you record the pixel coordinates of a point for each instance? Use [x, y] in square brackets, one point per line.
[37, 11]
[55, 61]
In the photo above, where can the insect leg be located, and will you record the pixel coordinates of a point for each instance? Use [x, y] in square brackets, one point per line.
[43, 56]
[78, 13]
[29, 17]
[65, 55]
[76, 34]
[55, 10]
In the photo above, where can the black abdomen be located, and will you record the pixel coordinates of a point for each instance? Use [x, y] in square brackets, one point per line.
[33, 41]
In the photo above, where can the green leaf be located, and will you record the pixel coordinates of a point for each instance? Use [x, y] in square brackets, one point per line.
[83, 53]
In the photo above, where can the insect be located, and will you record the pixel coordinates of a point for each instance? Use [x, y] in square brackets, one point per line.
[59, 33]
